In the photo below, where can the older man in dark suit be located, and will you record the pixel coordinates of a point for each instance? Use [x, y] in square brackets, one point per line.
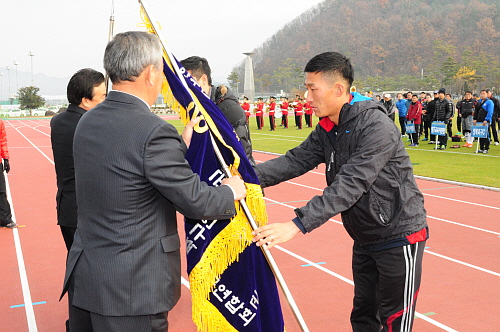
[85, 90]
[131, 177]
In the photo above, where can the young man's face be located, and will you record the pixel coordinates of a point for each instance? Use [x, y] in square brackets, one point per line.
[414, 99]
[441, 96]
[326, 98]
[468, 96]
[202, 81]
[484, 95]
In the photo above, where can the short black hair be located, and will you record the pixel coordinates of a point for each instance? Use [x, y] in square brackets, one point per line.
[468, 91]
[198, 66]
[332, 64]
[82, 84]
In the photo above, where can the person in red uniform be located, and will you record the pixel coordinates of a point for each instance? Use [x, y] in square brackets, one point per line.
[246, 107]
[284, 111]
[5, 212]
[308, 113]
[259, 113]
[298, 113]
[271, 110]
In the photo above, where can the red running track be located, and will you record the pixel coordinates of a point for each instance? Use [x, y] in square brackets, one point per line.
[461, 280]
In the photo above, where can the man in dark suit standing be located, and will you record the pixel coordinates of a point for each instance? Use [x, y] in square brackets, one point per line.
[85, 90]
[131, 177]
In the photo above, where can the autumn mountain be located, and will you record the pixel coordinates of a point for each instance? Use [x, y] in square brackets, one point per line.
[393, 44]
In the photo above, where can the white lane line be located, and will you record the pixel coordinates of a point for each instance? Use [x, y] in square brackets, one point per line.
[463, 225]
[433, 253]
[465, 202]
[36, 147]
[28, 303]
[425, 194]
[463, 263]
[350, 282]
[293, 207]
[33, 126]
[185, 282]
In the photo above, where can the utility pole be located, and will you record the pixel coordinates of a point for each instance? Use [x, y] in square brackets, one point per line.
[31, 54]
[8, 74]
[1, 86]
[17, 84]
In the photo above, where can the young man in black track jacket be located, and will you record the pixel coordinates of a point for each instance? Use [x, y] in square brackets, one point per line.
[370, 183]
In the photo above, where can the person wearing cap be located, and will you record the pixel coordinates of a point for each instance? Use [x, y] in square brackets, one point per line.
[389, 105]
[298, 113]
[443, 113]
[421, 99]
[246, 107]
[259, 113]
[308, 112]
[271, 110]
[284, 111]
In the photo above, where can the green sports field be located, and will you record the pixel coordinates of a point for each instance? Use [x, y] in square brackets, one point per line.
[460, 164]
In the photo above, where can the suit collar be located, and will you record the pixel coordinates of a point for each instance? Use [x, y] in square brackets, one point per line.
[76, 109]
[123, 97]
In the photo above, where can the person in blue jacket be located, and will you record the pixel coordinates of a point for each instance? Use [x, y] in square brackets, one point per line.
[484, 114]
[402, 107]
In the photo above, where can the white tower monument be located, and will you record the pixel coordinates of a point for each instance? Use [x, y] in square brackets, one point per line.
[249, 85]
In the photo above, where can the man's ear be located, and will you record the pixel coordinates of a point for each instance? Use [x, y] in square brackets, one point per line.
[340, 89]
[85, 104]
[150, 75]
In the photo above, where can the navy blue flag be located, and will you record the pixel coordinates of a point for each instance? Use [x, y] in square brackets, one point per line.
[231, 283]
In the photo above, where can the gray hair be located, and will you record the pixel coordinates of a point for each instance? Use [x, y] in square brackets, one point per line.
[129, 53]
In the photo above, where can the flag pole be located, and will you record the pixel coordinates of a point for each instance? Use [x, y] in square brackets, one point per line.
[267, 253]
[253, 224]
[110, 36]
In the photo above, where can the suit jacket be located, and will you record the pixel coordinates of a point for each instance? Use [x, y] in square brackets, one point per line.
[62, 130]
[131, 177]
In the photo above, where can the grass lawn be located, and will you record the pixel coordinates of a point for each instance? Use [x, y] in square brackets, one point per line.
[461, 164]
